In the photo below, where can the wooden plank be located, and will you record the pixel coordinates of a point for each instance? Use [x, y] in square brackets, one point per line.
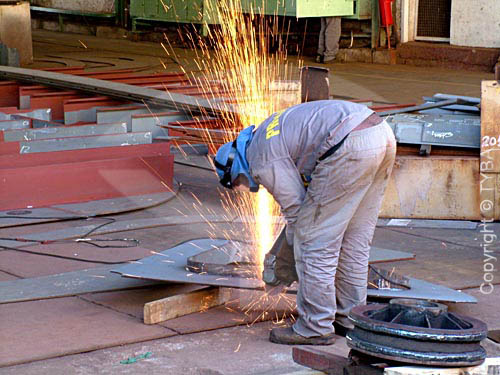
[318, 359]
[489, 366]
[490, 127]
[183, 304]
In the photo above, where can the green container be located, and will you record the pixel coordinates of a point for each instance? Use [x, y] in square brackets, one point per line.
[362, 10]
[182, 11]
[199, 11]
[301, 8]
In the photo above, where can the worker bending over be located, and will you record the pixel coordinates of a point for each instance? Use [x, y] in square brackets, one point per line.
[327, 164]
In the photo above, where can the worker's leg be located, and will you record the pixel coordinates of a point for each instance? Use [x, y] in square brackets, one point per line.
[332, 37]
[321, 42]
[352, 269]
[339, 184]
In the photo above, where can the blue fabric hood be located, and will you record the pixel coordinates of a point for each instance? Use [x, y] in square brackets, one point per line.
[240, 162]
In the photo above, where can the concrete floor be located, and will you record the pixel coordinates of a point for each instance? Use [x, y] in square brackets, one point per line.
[209, 343]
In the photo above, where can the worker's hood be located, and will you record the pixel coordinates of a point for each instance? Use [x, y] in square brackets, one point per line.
[236, 150]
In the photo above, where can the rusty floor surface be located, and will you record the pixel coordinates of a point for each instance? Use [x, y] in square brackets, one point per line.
[92, 333]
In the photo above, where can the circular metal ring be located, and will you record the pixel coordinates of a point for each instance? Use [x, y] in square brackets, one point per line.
[416, 331]
[370, 317]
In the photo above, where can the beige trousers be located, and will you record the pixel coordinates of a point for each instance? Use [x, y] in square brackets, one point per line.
[335, 227]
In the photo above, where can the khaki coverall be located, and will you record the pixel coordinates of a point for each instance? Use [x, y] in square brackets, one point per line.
[330, 225]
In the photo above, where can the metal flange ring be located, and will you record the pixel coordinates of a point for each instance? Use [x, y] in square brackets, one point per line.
[417, 332]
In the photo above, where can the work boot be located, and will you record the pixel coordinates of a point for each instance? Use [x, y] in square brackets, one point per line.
[288, 336]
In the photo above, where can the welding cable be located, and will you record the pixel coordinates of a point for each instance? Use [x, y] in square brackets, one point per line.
[66, 218]
[194, 166]
[63, 256]
[59, 218]
[95, 242]
[84, 238]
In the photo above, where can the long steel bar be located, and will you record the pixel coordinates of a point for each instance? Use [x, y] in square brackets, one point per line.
[117, 90]
[421, 107]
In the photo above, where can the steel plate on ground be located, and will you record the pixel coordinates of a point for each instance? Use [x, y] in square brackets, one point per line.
[10, 218]
[170, 265]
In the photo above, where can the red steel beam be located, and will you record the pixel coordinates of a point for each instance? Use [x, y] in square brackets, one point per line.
[8, 94]
[66, 69]
[54, 101]
[16, 160]
[57, 184]
[9, 148]
[146, 80]
[87, 103]
[157, 114]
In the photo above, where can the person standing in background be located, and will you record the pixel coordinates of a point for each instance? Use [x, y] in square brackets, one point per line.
[329, 37]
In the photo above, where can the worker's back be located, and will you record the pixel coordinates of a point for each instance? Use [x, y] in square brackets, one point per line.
[304, 132]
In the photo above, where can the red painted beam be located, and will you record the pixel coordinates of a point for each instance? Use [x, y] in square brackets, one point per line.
[66, 69]
[9, 148]
[17, 160]
[9, 94]
[8, 109]
[157, 114]
[210, 123]
[146, 80]
[128, 108]
[15, 111]
[54, 101]
[87, 103]
[56, 184]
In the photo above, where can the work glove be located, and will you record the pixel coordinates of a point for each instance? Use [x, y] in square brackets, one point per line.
[279, 263]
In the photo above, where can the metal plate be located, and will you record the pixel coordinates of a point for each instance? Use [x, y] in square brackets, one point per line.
[432, 224]
[170, 265]
[40, 114]
[84, 142]
[420, 289]
[61, 132]
[14, 124]
[439, 130]
[30, 215]
[92, 208]
[67, 284]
